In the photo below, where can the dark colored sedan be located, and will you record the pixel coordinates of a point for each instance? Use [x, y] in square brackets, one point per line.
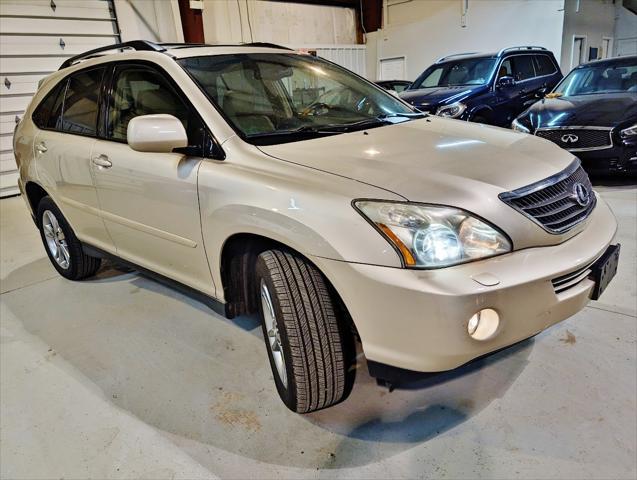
[395, 85]
[592, 113]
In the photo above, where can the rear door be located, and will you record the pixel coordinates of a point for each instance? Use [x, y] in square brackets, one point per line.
[62, 148]
[149, 201]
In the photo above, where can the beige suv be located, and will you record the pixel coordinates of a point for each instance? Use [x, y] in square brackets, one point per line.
[275, 183]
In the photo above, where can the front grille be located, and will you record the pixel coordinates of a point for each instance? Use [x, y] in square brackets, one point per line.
[571, 279]
[557, 203]
[574, 139]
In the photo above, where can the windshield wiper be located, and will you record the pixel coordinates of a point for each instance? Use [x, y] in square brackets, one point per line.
[333, 128]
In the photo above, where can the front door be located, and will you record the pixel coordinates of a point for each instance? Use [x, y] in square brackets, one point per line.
[149, 201]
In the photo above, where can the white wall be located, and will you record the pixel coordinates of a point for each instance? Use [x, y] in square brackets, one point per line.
[593, 19]
[625, 31]
[154, 20]
[423, 31]
[231, 21]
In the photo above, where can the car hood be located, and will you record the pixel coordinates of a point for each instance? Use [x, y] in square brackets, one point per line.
[602, 110]
[433, 160]
[440, 95]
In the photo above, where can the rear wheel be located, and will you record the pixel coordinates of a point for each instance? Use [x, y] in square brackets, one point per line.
[61, 244]
[307, 346]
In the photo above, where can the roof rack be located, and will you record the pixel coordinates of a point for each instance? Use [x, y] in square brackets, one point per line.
[265, 45]
[145, 45]
[140, 45]
[455, 55]
[514, 49]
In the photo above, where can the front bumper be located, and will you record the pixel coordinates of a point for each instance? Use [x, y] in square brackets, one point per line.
[417, 319]
[620, 159]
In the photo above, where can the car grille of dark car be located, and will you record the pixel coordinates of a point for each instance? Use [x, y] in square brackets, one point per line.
[557, 203]
[578, 138]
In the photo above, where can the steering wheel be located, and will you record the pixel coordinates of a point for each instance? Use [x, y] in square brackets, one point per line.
[316, 109]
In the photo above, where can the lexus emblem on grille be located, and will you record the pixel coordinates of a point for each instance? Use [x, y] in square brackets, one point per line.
[581, 195]
[569, 138]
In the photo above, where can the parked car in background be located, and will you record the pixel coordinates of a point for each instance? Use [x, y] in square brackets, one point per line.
[486, 88]
[593, 114]
[394, 85]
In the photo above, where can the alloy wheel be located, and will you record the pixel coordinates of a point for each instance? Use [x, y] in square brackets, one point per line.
[273, 339]
[55, 239]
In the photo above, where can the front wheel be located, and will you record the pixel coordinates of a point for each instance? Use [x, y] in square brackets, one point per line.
[306, 344]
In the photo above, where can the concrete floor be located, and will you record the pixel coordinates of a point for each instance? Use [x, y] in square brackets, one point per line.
[120, 377]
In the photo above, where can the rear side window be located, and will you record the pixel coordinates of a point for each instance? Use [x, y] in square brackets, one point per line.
[543, 65]
[81, 103]
[523, 67]
[46, 108]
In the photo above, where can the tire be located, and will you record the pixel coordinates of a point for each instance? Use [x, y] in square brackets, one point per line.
[316, 348]
[61, 245]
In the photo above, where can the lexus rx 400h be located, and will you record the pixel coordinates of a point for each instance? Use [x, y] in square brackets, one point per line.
[429, 241]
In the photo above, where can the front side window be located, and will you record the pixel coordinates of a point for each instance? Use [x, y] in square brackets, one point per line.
[471, 71]
[281, 97]
[81, 103]
[143, 91]
[595, 79]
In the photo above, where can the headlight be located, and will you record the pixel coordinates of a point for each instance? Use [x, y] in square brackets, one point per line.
[629, 132]
[428, 236]
[518, 127]
[452, 111]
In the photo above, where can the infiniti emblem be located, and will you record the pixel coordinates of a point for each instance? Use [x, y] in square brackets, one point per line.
[581, 195]
[569, 138]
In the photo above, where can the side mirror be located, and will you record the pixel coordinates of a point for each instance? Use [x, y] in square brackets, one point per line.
[156, 133]
[506, 82]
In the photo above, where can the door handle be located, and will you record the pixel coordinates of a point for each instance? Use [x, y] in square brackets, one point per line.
[102, 161]
[41, 147]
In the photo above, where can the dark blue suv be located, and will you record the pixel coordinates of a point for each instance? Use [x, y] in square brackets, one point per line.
[487, 88]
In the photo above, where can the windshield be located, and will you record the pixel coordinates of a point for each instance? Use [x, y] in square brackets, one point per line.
[276, 98]
[599, 79]
[471, 71]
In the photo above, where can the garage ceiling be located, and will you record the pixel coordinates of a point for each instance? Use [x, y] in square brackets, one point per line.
[36, 37]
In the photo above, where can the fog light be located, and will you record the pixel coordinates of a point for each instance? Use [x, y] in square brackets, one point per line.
[483, 325]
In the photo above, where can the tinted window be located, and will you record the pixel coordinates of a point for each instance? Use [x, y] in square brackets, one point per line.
[142, 91]
[543, 65]
[43, 111]
[523, 67]
[81, 102]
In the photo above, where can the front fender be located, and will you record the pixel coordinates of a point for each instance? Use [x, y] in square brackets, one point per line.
[308, 210]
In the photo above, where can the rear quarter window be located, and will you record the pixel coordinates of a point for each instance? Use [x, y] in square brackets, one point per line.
[44, 110]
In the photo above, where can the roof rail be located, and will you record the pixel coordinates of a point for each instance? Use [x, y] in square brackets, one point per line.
[265, 45]
[455, 55]
[140, 45]
[526, 47]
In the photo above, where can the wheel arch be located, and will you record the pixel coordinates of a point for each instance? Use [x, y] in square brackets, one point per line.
[237, 261]
[35, 193]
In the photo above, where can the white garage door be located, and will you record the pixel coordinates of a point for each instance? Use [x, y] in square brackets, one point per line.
[36, 36]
